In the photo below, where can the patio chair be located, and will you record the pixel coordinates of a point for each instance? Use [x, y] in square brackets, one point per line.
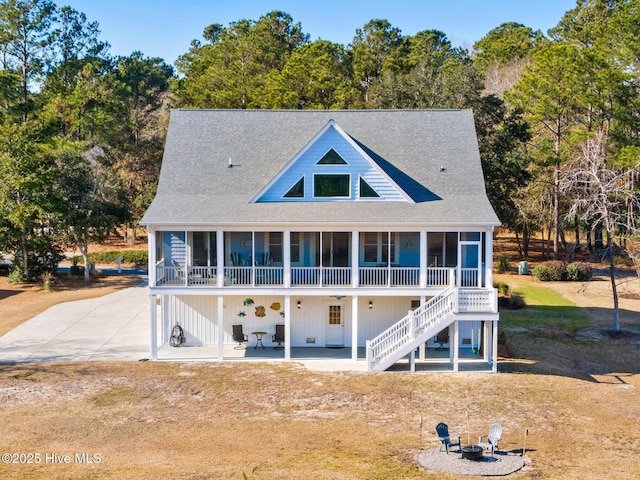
[442, 430]
[236, 259]
[279, 337]
[239, 336]
[442, 338]
[492, 439]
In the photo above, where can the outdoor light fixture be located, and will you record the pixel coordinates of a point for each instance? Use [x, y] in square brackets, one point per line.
[298, 304]
[370, 304]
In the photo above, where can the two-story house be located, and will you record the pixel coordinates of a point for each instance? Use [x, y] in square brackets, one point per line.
[368, 230]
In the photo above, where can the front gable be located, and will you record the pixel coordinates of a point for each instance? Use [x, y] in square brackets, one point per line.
[332, 167]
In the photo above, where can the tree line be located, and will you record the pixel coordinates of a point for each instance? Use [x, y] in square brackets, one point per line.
[83, 131]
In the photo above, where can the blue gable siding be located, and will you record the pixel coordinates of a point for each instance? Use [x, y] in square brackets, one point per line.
[306, 166]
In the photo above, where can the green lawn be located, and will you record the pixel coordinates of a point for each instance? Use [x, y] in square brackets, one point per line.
[545, 308]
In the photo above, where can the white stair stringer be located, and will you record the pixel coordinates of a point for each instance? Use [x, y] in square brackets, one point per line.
[416, 328]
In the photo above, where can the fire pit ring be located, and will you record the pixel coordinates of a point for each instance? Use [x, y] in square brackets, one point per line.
[472, 452]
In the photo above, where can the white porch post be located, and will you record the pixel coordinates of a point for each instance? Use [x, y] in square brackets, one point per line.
[486, 338]
[153, 316]
[423, 260]
[152, 256]
[286, 258]
[220, 258]
[455, 351]
[220, 326]
[355, 252]
[494, 346]
[287, 327]
[354, 327]
[488, 254]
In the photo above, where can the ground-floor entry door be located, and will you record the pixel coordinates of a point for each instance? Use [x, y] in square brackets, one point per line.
[335, 327]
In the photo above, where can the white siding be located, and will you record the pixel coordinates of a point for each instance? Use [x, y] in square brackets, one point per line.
[196, 315]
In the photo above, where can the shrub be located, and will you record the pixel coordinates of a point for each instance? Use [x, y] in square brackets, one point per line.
[16, 275]
[503, 264]
[553, 271]
[503, 288]
[137, 257]
[579, 271]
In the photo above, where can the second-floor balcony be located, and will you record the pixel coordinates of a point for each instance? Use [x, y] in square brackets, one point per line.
[319, 259]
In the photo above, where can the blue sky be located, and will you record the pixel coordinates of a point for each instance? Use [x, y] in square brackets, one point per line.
[165, 28]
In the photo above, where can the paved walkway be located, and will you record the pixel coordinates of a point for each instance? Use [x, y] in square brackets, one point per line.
[111, 327]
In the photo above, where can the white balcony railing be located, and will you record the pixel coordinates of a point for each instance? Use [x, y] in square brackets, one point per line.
[311, 276]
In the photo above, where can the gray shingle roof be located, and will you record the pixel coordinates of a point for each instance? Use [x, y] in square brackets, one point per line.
[197, 187]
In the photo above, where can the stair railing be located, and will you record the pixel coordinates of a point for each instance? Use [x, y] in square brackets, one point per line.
[410, 327]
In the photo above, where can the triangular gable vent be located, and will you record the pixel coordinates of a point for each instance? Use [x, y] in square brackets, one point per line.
[332, 158]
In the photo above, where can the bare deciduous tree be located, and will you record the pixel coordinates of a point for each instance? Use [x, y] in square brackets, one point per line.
[601, 194]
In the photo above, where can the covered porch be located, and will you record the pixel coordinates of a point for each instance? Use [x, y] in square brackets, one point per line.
[308, 259]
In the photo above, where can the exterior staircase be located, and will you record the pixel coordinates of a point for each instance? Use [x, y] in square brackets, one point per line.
[425, 322]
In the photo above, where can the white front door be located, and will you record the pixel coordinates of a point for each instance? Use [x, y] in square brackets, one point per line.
[335, 327]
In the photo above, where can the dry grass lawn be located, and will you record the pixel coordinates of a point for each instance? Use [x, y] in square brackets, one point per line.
[577, 395]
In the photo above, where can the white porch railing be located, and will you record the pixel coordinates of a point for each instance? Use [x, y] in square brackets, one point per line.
[269, 275]
[484, 300]
[320, 276]
[202, 275]
[305, 276]
[311, 276]
[389, 276]
[439, 276]
[469, 277]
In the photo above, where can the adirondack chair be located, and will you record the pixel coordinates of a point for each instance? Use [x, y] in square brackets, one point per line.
[442, 430]
[279, 337]
[492, 439]
[239, 336]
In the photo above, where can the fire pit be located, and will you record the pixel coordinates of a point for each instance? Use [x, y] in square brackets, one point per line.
[472, 452]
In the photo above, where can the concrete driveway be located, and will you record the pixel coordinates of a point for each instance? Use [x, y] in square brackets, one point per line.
[112, 327]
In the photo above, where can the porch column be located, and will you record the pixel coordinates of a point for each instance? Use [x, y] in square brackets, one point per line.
[287, 327]
[486, 339]
[494, 346]
[488, 254]
[354, 327]
[423, 260]
[355, 252]
[455, 351]
[153, 318]
[152, 256]
[220, 258]
[286, 258]
[220, 326]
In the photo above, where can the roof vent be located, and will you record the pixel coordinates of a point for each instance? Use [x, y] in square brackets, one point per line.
[442, 167]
